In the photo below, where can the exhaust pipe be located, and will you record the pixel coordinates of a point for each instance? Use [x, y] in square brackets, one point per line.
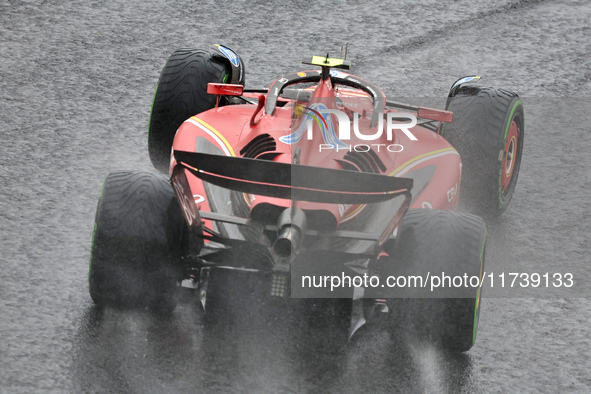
[291, 226]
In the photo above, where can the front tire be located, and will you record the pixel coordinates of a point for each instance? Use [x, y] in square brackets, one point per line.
[487, 131]
[181, 93]
[136, 247]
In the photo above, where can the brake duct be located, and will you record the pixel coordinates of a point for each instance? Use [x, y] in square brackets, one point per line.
[291, 226]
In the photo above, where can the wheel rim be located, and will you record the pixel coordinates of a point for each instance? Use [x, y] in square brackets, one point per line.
[510, 156]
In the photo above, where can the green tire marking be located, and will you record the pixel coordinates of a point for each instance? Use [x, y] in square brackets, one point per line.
[102, 188]
[223, 81]
[517, 103]
[476, 304]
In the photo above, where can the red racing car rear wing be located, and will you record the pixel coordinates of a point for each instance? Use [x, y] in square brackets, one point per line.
[298, 182]
[293, 181]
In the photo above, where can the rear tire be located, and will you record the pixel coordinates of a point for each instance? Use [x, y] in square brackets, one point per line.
[436, 241]
[181, 93]
[487, 130]
[136, 247]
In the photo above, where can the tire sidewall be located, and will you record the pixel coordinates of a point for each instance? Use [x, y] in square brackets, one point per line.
[479, 131]
[515, 113]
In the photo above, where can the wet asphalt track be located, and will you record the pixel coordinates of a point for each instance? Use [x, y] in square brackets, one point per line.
[76, 84]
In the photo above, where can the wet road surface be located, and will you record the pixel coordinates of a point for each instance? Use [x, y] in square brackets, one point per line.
[76, 84]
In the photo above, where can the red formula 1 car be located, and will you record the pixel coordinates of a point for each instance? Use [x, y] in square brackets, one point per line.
[316, 189]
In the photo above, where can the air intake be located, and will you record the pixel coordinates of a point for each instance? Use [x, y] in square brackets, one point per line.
[259, 144]
[363, 161]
